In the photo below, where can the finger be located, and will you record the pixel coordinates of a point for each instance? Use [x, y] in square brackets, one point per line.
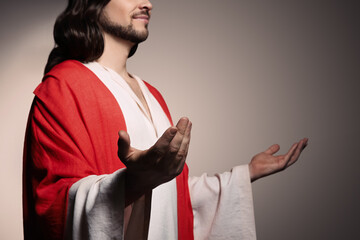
[123, 145]
[187, 137]
[285, 159]
[185, 142]
[306, 141]
[162, 144]
[179, 136]
[297, 152]
[182, 124]
[184, 148]
[291, 151]
[272, 149]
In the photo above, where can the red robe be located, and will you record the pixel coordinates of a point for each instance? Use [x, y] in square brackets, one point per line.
[72, 132]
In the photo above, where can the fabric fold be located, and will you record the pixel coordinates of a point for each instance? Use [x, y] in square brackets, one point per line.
[223, 205]
[96, 210]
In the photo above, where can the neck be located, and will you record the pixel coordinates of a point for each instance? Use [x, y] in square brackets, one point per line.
[115, 54]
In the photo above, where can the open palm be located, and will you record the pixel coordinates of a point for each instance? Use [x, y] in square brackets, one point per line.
[265, 163]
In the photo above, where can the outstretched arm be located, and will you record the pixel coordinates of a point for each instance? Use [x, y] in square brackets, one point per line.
[265, 163]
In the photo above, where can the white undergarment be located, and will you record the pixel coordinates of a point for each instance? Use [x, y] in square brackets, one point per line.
[144, 132]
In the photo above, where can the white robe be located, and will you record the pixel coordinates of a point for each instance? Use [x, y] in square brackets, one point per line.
[222, 205]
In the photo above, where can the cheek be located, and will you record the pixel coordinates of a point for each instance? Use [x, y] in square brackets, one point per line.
[117, 13]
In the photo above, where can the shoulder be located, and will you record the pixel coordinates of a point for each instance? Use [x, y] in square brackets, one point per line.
[71, 89]
[68, 75]
[69, 70]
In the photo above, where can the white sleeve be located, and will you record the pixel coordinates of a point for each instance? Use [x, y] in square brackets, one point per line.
[223, 205]
[96, 210]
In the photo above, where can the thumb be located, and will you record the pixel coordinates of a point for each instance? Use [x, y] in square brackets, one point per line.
[123, 145]
[272, 149]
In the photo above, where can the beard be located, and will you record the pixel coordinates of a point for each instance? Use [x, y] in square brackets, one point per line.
[124, 32]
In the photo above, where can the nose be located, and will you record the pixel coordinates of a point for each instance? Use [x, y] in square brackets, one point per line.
[146, 4]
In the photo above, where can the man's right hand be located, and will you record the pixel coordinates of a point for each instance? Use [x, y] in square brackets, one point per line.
[159, 164]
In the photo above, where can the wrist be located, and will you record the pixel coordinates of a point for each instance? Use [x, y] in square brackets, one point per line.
[135, 186]
[252, 173]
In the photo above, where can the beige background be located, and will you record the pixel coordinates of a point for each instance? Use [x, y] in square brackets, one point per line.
[248, 74]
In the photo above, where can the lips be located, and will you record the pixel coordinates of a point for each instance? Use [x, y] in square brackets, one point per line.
[142, 16]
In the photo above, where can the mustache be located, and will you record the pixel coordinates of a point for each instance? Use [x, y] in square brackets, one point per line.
[142, 13]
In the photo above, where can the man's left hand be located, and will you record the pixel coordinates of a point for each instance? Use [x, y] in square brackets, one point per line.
[265, 163]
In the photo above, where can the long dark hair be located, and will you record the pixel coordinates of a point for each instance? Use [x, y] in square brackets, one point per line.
[77, 33]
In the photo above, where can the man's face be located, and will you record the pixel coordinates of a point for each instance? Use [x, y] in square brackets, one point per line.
[127, 19]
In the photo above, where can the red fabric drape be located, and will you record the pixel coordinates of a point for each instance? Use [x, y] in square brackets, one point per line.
[72, 133]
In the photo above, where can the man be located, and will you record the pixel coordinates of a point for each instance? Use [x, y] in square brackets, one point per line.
[102, 159]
